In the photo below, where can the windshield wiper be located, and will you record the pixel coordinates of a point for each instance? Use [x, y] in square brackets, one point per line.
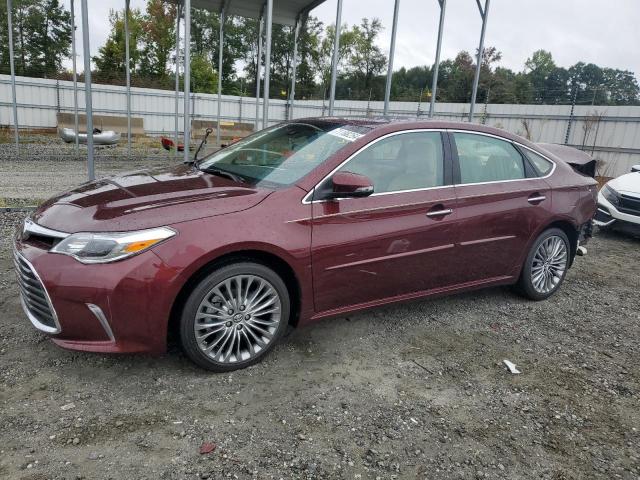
[224, 173]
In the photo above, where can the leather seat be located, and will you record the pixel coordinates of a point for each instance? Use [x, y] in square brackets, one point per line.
[420, 166]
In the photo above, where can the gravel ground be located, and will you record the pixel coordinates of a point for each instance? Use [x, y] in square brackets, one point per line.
[416, 391]
[48, 166]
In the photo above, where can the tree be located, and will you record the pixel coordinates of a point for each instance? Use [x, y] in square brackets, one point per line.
[366, 59]
[111, 58]
[158, 27]
[203, 78]
[42, 37]
[540, 66]
[325, 57]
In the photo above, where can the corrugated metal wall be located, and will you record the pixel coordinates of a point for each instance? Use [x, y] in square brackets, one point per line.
[611, 134]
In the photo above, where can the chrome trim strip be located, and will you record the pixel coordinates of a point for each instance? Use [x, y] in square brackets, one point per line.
[539, 198]
[32, 227]
[604, 211]
[391, 257]
[306, 199]
[486, 240]
[99, 314]
[34, 321]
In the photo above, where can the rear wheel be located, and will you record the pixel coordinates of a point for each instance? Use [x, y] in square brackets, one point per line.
[546, 265]
[234, 317]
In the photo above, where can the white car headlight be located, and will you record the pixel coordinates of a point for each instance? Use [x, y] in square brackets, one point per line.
[109, 247]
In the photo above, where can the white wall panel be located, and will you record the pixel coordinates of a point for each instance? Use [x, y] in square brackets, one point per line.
[617, 143]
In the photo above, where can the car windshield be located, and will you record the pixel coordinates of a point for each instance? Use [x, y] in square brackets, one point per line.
[282, 154]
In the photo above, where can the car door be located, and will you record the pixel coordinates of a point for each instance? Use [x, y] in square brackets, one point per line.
[501, 201]
[395, 242]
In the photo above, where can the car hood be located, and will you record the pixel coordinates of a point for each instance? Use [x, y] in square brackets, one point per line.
[146, 199]
[628, 184]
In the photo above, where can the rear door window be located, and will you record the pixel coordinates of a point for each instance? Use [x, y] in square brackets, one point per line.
[487, 159]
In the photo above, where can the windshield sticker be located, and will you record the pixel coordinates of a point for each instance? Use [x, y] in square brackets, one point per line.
[345, 134]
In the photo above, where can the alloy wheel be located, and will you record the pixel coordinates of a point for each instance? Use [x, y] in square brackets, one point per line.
[549, 264]
[237, 319]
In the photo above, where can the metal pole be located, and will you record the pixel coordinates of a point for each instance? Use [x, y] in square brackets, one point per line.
[392, 51]
[483, 13]
[128, 72]
[267, 64]
[334, 61]
[75, 76]
[573, 106]
[13, 76]
[177, 106]
[86, 53]
[221, 46]
[258, 71]
[294, 66]
[436, 66]
[187, 79]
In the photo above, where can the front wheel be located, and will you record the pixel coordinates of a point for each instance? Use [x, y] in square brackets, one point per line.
[546, 265]
[234, 316]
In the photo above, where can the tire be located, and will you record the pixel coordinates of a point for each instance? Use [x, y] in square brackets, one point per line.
[226, 325]
[550, 270]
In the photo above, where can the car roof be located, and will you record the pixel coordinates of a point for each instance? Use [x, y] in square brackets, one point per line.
[392, 124]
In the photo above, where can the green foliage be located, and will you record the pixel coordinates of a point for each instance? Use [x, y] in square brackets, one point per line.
[41, 37]
[203, 78]
[111, 58]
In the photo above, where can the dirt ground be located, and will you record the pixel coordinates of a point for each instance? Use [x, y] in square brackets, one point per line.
[416, 391]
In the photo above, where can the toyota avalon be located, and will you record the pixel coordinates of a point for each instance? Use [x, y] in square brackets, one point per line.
[304, 220]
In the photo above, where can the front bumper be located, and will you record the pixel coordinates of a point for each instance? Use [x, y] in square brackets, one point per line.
[120, 307]
[608, 215]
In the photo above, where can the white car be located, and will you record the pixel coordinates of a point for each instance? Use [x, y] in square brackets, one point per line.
[619, 203]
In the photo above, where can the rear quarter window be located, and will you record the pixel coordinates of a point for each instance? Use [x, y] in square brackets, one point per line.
[541, 164]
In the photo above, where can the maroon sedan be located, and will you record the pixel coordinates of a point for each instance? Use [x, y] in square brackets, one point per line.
[305, 220]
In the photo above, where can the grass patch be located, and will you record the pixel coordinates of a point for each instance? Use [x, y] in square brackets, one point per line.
[6, 202]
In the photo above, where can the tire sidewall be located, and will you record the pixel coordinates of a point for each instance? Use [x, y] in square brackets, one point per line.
[526, 284]
[187, 319]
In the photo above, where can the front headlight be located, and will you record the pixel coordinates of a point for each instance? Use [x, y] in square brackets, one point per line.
[611, 195]
[109, 247]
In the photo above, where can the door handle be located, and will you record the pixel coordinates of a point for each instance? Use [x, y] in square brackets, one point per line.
[536, 198]
[439, 213]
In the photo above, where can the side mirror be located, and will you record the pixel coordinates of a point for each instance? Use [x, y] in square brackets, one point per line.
[635, 168]
[350, 185]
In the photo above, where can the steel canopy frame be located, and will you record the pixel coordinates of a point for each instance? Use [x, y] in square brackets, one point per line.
[128, 73]
[75, 77]
[392, 51]
[86, 53]
[484, 12]
[187, 78]
[336, 57]
[436, 66]
[177, 96]
[266, 11]
[13, 76]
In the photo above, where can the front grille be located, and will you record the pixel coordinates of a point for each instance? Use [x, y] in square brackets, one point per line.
[34, 296]
[629, 205]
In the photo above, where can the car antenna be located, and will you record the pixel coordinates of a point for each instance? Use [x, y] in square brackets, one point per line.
[202, 144]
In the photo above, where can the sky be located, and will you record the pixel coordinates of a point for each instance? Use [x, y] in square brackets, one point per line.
[602, 32]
